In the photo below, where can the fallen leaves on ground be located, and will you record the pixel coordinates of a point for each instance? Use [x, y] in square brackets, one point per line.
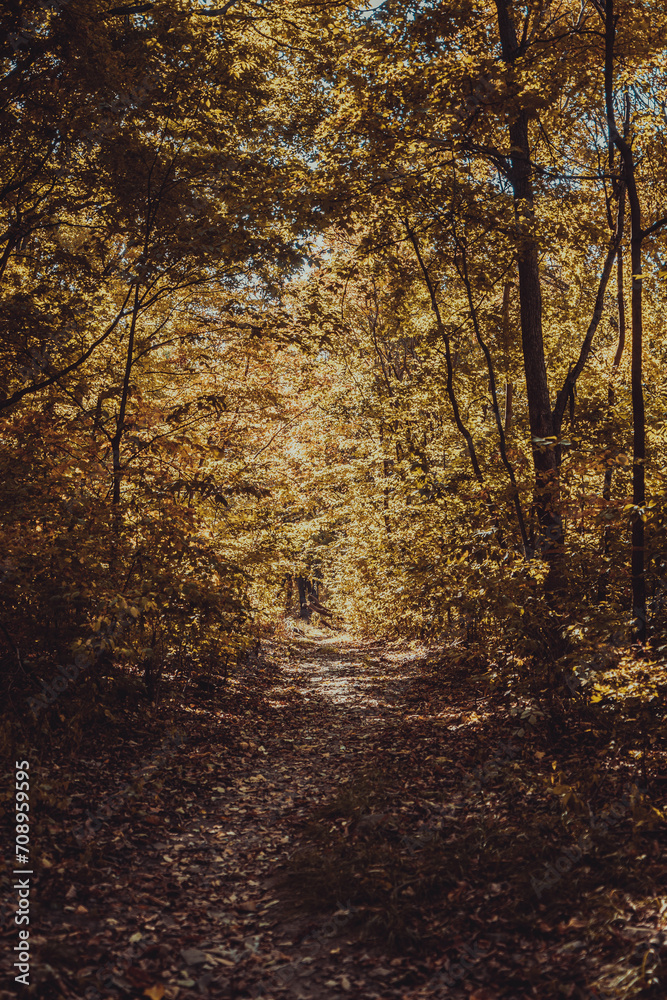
[358, 820]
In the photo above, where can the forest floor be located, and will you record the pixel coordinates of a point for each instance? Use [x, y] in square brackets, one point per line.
[348, 820]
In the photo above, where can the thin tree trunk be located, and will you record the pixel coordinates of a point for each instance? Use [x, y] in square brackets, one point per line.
[509, 404]
[465, 433]
[530, 301]
[637, 562]
[611, 397]
[638, 421]
[386, 470]
[506, 331]
[516, 500]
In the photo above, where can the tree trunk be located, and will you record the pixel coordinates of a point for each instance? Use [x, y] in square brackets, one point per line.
[530, 301]
[303, 586]
[638, 422]
[509, 400]
[289, 591]
[611, 398]
[120, 420]
[637, 561]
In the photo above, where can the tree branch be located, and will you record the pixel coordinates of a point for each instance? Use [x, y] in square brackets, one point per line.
[126, 9]
[450, 370]
[20, 393]
[494, 394]
[220, 12]
[576, 370]
[655, 227]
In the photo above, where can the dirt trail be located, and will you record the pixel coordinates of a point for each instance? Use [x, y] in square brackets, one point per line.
[189, 887]
[227, 925]
[346, 692]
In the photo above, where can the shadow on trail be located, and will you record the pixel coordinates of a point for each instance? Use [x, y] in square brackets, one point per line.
[443, 858]
[351, 819]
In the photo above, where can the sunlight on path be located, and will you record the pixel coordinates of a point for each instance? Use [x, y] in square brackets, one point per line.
[345, 691]
[359, 678]
[251, 937]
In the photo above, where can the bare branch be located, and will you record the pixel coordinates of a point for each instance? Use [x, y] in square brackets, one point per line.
[450, 370]
[576, 370]
[655, 227]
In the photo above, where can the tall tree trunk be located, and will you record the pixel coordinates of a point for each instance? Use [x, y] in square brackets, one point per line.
[637, 562]
[530, 301]
[638, 421]
[611, 396]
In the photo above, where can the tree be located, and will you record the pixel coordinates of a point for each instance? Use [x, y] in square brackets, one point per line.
[146, 224]
[456, 109]
[638, 234]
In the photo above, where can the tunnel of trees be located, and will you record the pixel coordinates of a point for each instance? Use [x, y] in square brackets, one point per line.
[347, 315]
[379, 291]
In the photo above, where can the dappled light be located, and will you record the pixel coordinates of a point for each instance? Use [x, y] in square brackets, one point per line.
[333, 478]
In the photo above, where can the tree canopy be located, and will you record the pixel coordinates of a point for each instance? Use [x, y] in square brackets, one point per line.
[371, 297]
[345, 317]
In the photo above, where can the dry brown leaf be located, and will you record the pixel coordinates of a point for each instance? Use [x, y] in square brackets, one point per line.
[155, 992]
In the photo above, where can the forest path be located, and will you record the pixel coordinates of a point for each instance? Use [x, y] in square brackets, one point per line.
[335, 788]
[346, 692]
[203, 906]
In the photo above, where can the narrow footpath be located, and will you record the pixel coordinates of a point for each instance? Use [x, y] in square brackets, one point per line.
[357, 820]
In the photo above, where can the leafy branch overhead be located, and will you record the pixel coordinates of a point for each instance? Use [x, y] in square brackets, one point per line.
[333, 439]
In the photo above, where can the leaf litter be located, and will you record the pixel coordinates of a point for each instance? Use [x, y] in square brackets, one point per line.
[363, 821]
